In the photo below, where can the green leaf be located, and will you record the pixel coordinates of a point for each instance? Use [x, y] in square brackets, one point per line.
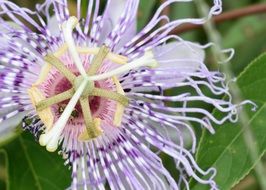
[5, 138]
[248, 50]
[250, 28]
[226, 150]
[181, 10]
[145, 12]
[3, 170]
[31, 167]
[246, 43]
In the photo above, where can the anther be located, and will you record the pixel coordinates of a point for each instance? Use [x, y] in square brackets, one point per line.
[46, 114]
[119, 107]
[119, 59]
[93, 131]
[61, 50]
[115, 58]
[46, 68]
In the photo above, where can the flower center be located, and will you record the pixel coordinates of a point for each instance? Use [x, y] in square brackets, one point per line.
[60, 84]
[75, 95]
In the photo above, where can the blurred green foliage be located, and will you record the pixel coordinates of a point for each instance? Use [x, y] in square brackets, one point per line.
[31, 167]
[227, 145]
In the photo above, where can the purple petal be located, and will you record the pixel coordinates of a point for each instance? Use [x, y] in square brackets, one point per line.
[119, 22]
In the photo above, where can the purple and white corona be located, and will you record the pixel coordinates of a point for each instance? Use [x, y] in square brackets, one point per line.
[91, 85]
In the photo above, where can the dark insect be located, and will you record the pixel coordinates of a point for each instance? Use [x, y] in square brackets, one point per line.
[74, 113]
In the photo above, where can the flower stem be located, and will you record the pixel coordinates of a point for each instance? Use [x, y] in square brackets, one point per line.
[214, 36]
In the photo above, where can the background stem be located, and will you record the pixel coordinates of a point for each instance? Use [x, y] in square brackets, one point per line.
[227, 16]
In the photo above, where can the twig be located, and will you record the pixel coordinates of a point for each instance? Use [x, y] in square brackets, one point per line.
[230, 15]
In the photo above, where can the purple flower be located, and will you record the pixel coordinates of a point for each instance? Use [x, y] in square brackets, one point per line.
[96, 87]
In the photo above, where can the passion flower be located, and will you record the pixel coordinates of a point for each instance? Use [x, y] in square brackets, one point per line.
[96, 88]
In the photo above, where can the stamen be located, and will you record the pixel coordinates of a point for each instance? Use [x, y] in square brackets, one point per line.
[93, 129]
[92, 132]
[68, 27]
[89, 91]
[55, 99]
[61, 51]
[119, 107]
[98, 60]
[43, 75]
[46, 114]
[51, 138]
[115, 58]
[54, 61]
[83, 87]
[84, 102]
[110, 56]
[110, 95]
[146, 60]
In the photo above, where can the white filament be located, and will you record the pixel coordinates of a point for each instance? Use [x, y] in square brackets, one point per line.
[67, 28]
[146, 60]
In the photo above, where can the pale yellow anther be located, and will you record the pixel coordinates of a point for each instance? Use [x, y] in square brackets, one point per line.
[46, 114]
[92, 132]
[61, 51]
[119, 59]
[153, 63]
[43, 75]
[74, 21]
[119, 107]
[88, 51]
